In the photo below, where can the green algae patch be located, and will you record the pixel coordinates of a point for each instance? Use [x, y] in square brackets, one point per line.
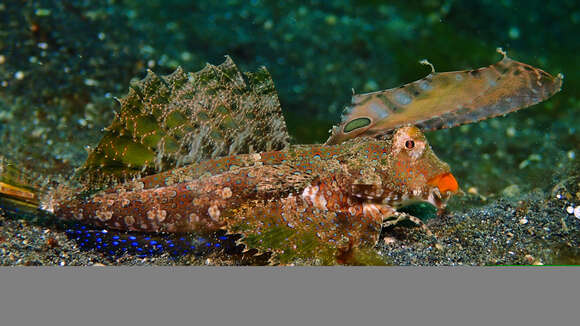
[424, 211]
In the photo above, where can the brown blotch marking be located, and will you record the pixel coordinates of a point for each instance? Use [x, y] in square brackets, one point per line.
[104, 215]
[226, 193]
[157, 214]
[161, 215]
[214, 212]
[129, 220]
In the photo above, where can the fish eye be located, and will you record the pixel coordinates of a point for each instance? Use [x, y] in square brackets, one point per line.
[410, 144]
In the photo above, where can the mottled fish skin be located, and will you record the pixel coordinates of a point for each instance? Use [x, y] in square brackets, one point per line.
[447, 99]
[337, 192]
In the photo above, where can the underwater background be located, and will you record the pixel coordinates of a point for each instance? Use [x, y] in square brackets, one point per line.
[63, 62]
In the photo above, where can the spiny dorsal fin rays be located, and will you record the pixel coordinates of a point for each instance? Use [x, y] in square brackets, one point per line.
[447, 99]
[168, 121]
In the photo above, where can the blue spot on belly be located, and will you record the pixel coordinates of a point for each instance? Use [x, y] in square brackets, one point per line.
[117, 243]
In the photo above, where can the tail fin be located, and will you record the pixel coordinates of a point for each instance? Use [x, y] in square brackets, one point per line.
[19, 193]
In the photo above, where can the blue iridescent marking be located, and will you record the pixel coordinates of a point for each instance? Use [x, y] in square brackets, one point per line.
[402, 98]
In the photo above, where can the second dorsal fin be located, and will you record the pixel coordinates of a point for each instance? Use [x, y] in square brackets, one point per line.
[173, 120]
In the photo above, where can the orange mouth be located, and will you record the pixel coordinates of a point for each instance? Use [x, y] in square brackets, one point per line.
[445, 182]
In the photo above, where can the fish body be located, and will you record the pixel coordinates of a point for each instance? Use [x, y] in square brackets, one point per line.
[337, 195]
[209, 152]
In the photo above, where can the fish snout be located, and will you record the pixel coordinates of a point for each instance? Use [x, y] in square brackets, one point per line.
[445, 182]
[443, 187]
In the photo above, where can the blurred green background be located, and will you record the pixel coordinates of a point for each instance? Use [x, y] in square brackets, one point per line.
[62, 62]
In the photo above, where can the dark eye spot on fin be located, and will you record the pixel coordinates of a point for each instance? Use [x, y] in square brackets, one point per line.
[356, 124]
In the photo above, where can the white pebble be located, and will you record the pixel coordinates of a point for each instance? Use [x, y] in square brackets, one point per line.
[19, 75]
[570, 209]
[577, 212]
[2, 59]
[91, 82]
[514, 33]
[510, 132]
[524, 221]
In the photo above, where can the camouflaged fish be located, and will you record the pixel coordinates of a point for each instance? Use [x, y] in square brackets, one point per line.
[209, 151]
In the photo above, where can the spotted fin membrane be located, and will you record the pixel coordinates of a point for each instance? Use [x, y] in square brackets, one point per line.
[169, 121]
[447, 99]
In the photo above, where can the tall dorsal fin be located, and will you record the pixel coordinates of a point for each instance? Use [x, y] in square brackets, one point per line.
[447, 99]
[181, 118]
